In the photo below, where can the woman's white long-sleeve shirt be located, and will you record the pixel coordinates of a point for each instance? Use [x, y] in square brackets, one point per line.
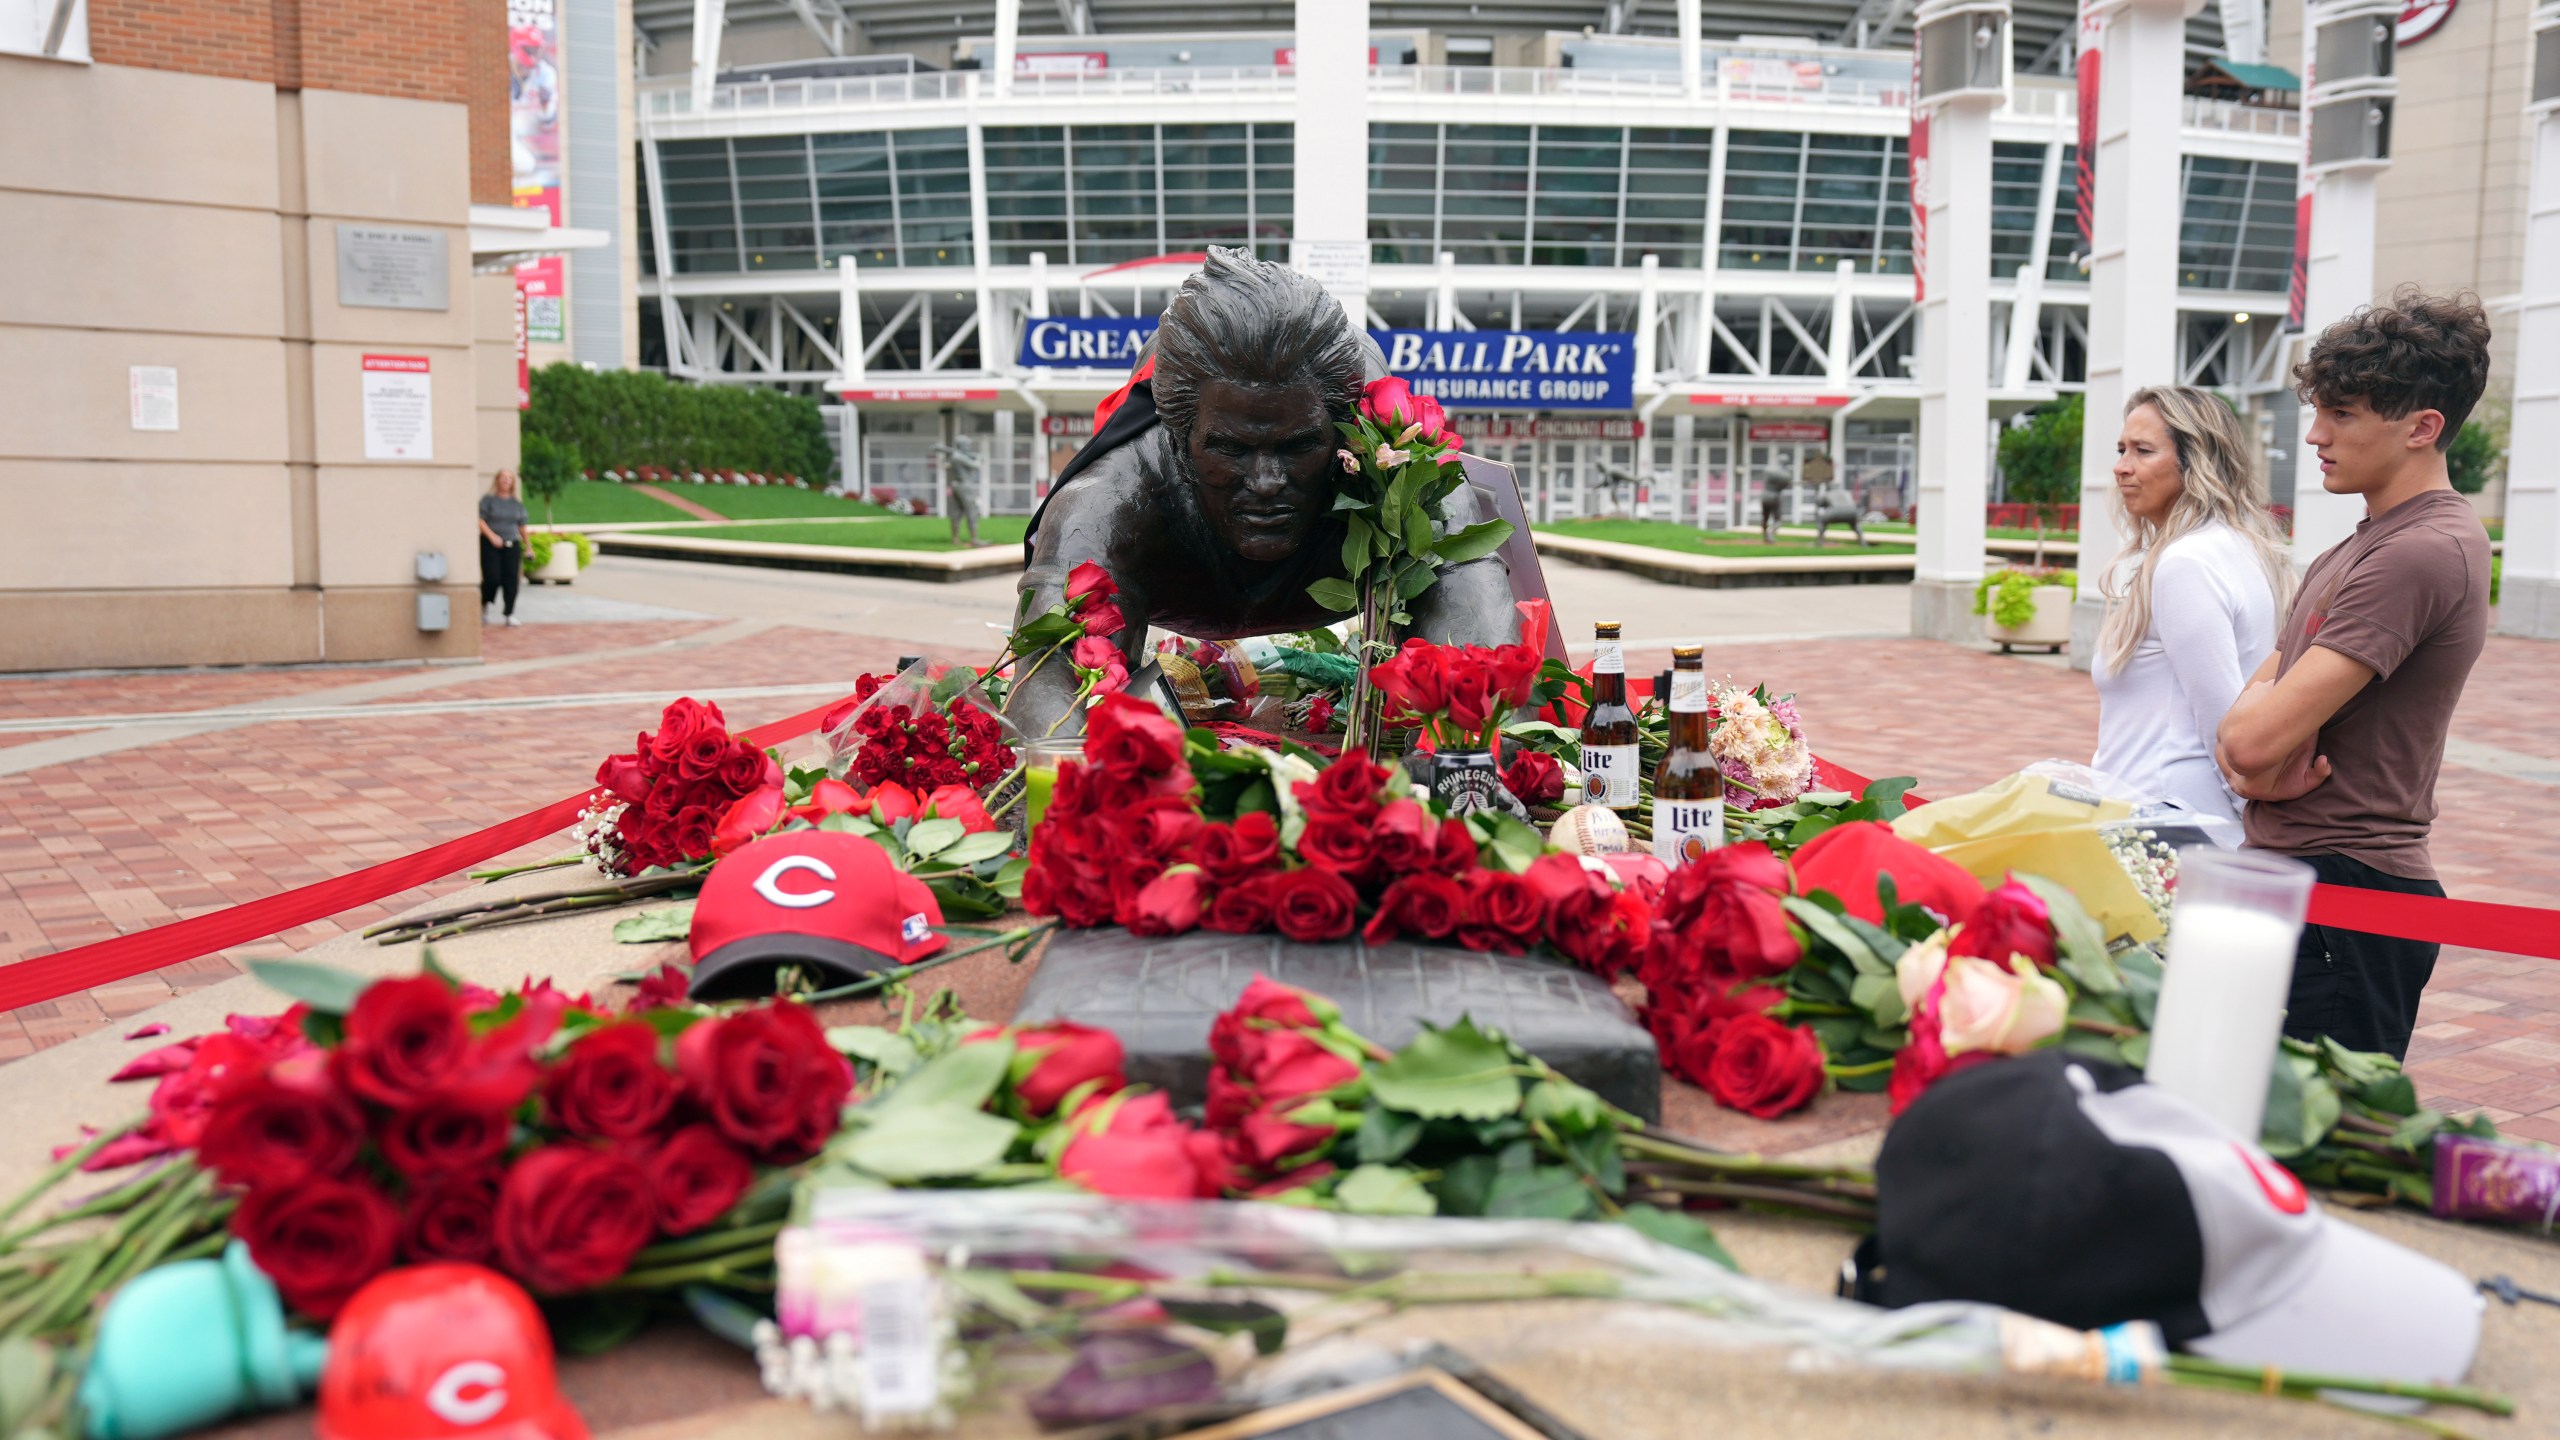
[2213, 622]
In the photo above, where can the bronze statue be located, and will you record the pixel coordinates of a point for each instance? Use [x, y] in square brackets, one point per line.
[1206, 493]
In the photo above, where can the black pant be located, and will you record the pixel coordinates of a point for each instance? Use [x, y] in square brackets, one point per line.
[500, 565]
[2360, 990]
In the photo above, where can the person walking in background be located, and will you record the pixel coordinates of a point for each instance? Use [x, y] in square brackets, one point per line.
[2338, 738]
[2192, 599]
[501, 545]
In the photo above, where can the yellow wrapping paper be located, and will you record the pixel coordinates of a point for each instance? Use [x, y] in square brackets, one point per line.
[2044, 827]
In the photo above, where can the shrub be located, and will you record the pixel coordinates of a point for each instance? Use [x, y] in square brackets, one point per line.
[632, 420]
[2040, 461]
[2473, 457]
[545, 470]
[2008, 596]
[538, 545]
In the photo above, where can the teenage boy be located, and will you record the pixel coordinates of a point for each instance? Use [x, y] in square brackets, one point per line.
[2336, 741]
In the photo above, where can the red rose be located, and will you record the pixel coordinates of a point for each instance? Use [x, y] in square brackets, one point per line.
[695, 827]
[1271, 1138]
[1137, 1151]
[892, 802]
[570, 1218]
[2011, 920]
[184, 1100]
[747, 820]
[1349, 786]
[1230, 853]
[1164, 828]
[959, 802]
[767, 1078]
[1216, 1168]
[1089, 581]
[1169, 904]
[1512, 674]
[610, 1085]
[1748, 863]
[1336, 841]
[1135, 746]
[1453, 853]
[1503, 913]
[745, 769]
[1534, 778]
[1415, 681]
[1561, 878]
[830, 797]
[1311, 905]
[452, 1217]
[1764, 1068]
[1472, 701]
[623, 775]
[1242, 908]
[1229, 1099]
[1403, 836]
[1388, 404]
[1053, 1059]
[440, 1137]
[1425, 905]
[319, 1240]
[405, 1038]
[1282, 1006]
[703, 755]
[1102, 619]
[267, 1135]
[1097, 652]
[661, 989]
[1697, 1032]
[1291, 1064]
[696, 1177]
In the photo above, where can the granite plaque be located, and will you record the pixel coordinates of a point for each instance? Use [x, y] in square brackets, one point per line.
[389, 267]
[1159, 996]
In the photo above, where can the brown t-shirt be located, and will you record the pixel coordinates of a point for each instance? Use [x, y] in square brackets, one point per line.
[2406, 596]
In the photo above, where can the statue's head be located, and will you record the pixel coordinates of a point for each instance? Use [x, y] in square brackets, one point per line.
[1254, 365]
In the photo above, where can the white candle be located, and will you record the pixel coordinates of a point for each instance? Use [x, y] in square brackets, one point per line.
[2213, 1038]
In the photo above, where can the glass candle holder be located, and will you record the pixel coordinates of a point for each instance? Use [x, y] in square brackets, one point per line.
[2229, 969]
[1040, 761]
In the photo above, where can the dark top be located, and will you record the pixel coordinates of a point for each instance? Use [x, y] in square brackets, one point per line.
[504, 514]
[2407, 597]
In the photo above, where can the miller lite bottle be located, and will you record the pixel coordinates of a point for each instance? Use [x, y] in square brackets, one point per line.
[1609, 732]
[1688, 789]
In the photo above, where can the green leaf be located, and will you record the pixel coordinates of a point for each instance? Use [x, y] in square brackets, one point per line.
[1044, 632]
[1881, 997]
[1459, 1072]
[1827, 928]
[964, 896]
[929, 838]
[26, 1373]
[1416, 579]
[1516, 843]
[995, 1292]
[962, 1079]
[875, 1045]
[1466, 1181]
[925, 1142]
[1543, 1192]
[1679, 1229]
[971, 849]
[2392, 1095]
[2419, 1129]
[1418, 539]
[1564, 1106]
[724, 1314]
[327, 989]
[1268, 1326]
[1008, 881]
[1335, 595]
[1385, 1136]
[2083, 944]
[2302, 1106]
[1476, 541]
[593, 1324]
[1355, 546]
[1384, 1190]
[1887, 795]
[1347, 499]
[672, 922]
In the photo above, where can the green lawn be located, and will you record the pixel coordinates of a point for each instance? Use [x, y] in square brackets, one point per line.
[914, 532]
[1996, 532]
[1690, 540]
[598, 502]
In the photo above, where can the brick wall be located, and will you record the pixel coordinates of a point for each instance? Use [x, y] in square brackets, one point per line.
[442, 50]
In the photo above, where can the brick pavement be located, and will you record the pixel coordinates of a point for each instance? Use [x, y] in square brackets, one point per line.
[147, 835]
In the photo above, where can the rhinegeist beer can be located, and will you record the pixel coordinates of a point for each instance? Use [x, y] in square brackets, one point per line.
[1609, 762]
[1688, 789]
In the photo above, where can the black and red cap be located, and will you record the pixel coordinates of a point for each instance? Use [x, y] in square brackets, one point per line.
[820, 898]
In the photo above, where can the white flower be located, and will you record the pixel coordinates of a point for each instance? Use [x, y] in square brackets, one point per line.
[1389, 457]
[1405, 437]
[1350, 462]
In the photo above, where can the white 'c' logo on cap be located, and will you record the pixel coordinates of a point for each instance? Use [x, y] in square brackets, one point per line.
[795, 899]
[486, 1383]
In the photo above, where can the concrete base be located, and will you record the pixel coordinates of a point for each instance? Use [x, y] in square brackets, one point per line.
[937, 565]
[1943, 610]
[2530, 608]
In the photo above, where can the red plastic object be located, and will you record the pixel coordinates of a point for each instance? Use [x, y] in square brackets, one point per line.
[442, 1350]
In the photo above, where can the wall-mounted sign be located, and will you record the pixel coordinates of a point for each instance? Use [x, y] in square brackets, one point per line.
[1337, 265]
[533, 109]
[1766, 400]
[1286, 57]
[1103, 342]
[399, 408]
[2420, 19]
[1789, 431]
[154, 394]
[1531, 369]
[1062, 62]
[1056, 425]
[389, 267]
[1548, 427]
[920, 394]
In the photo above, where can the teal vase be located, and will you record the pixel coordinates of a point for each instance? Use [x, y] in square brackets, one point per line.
[186, 1345]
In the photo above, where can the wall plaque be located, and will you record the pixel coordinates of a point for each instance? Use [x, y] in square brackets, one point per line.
[388, 267]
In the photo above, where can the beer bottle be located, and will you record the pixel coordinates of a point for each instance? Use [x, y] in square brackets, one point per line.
[1688, 789]
[1609, 731]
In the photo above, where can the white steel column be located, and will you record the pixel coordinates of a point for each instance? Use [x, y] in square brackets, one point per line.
[1648, 318]
[2133, 265]
[1955, 304]
[849, 322]
[1692, 49]
[1330, 234]
[2026, 311]
[2339, 274]
[710, 18]
[1008, 31]
[670, 323]
[1702, 339]
[1839, 344]
[995, 351]
[2529, 594]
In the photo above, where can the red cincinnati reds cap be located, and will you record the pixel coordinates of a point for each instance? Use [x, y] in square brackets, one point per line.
[821, 898]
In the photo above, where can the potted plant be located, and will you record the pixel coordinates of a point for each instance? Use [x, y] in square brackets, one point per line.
[2040, 463]
[556, 556]
[2027, 607]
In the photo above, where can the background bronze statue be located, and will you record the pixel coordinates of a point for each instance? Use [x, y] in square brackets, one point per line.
[1206, 494]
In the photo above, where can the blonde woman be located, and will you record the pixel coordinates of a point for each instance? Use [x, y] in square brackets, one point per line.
[501, 545]
[2192, 599]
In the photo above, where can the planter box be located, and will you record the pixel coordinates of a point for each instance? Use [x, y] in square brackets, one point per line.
[561, 568]
[2049, 627]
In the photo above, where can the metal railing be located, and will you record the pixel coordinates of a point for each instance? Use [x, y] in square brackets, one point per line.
[1730, 81]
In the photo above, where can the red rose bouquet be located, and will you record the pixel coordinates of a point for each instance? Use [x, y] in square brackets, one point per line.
[927, 729]
[661, 804]
[1085, 627]
[1458, 695]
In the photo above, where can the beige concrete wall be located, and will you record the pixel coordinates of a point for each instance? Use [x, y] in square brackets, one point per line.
[162, 219]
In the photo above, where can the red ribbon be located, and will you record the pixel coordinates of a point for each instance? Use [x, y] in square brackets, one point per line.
[2470, 924]
[67, 972]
